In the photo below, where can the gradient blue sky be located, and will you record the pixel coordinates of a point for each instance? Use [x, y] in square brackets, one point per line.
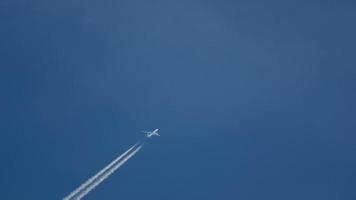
[255, 99]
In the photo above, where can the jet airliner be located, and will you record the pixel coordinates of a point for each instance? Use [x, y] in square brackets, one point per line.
[151, 133]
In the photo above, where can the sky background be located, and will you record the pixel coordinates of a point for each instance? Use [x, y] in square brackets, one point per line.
[254, 99]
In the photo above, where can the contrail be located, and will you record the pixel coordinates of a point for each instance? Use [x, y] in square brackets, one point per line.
[106, 174]
[91, 183]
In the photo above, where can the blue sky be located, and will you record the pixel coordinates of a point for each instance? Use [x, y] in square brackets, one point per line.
[254, 99]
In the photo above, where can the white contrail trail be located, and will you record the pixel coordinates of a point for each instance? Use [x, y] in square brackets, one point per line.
[92, 186]
[100, 173]
[89, 181]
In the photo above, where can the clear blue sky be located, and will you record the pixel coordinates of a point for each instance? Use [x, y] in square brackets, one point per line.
[255, 99]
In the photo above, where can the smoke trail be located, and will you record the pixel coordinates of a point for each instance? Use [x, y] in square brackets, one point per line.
[93, 185]
[100, 173]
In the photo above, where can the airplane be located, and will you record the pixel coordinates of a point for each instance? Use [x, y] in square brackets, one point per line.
[151, 133]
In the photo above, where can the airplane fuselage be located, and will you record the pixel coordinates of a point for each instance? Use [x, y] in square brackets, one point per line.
[152, 133]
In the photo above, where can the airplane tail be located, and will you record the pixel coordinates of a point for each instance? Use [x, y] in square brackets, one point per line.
[145, 132]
